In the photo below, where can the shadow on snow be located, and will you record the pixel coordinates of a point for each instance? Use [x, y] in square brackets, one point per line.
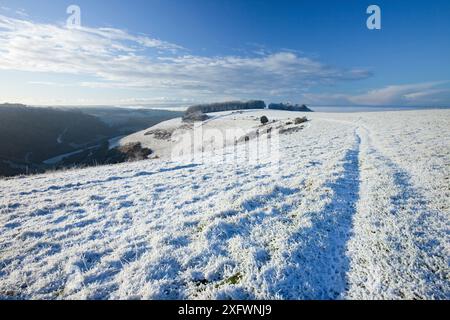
[317, 266]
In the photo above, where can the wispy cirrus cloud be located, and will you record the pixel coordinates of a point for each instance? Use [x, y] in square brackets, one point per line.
[115, 58]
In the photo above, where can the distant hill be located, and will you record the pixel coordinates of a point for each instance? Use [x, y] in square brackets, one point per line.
[34, 134]
[127, 120]
[31, 135]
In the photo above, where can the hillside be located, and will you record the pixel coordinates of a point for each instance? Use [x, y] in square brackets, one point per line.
[128, 120]
[356, 206]
[232, 127]
[32, 135]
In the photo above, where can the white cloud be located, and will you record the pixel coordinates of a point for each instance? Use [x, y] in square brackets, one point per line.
[118, 59]
[48, 83]
[395, 94]
[411, 94]
[22, 13]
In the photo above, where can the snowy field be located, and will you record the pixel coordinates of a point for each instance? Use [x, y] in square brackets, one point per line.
[356, 208]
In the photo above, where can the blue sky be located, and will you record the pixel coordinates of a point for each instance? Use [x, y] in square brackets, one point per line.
[189, 51]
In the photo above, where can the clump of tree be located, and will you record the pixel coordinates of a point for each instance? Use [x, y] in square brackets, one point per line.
[102, 155]
[131, 152]
[195, 116]
[289, 107]
[264, 120]
[227, 106]
[301, 120]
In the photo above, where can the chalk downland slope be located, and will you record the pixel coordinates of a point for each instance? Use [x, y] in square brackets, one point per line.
[357, 207]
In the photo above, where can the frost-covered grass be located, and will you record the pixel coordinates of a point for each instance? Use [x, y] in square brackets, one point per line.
[358, 208]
